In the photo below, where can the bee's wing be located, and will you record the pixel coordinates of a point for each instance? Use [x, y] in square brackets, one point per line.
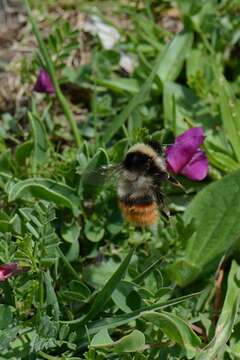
[98, 177]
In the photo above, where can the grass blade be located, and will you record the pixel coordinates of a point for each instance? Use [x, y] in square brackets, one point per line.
[104, 295]
[230, 115]
[138, 279]
[227, 318]
[120, 119]
[167, 66]
[119, 320]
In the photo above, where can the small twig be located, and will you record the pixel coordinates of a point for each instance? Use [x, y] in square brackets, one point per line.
[218, 291]
[200, 331]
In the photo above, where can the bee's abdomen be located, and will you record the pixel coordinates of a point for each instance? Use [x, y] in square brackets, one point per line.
[141, 211]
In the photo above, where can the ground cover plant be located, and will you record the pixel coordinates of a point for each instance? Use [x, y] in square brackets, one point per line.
[80, 82]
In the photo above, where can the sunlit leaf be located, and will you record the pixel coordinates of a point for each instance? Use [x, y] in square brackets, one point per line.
[215, 212]
[46, 189]
[177, 330]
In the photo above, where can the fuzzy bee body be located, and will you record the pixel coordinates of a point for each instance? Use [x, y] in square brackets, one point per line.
[139, 185]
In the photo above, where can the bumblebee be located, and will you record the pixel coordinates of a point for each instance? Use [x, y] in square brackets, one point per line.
[141, 176]
[140, 179]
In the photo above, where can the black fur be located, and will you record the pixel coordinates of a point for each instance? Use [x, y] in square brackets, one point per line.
[144, 164]
[136, 161]
[143, 200]
[155, 145]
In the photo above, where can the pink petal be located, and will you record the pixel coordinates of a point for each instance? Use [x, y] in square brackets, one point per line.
[197, 168]
[179, 154]
[44, 83]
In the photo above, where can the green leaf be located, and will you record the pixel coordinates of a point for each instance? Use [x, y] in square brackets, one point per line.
[227, 317]
[94, 231]
[101, 339]
[130, 343]
[80, 288]
[140, 277]
[47, 189]
[70, 232]
[221, 161]
[7, 337]
[40, 140]
[215, 212]
[5, 316]
[51, 295]
[93, 178]
[120, 85]
[179, 103]
[135, 341]
[176, 329]
[23, 151]
[120, 295]
[174, 55]
[230, 112]
[5, 226]
[98, 274]
[6, 163]
[104, 295]
[118, 150]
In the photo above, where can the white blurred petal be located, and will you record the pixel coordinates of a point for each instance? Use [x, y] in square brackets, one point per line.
[107, 34]
[127, 63]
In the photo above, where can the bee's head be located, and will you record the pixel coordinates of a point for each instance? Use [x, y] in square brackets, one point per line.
[136, 161]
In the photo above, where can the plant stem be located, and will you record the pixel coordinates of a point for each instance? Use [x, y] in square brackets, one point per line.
[51, 70]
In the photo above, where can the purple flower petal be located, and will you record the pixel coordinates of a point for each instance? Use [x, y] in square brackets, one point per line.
[179, 154]
[197, 168]
[7, 270]
[195, 136]
[44, 83]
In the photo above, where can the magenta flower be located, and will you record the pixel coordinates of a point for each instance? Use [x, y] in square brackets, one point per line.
[7, 270]
[44, 83]
[185, 157]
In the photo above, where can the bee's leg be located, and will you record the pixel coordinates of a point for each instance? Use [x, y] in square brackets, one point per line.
[160, 198]
[172, 180]
[165, 212]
